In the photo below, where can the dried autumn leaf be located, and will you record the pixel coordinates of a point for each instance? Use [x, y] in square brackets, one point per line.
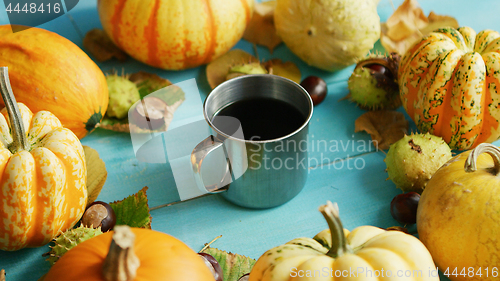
[408, 24]
[284, 69]
[98, 44]
[260, 30]
[96, 173]
[385, 127]
[218, 69]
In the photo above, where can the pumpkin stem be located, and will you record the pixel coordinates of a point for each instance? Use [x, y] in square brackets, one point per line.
[121, 263]
[16, 122]
[339, 244]
[493, 151]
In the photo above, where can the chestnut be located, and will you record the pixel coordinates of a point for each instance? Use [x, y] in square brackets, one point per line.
[404, 207]
[99, 214]
[213, 265]
[316, 87]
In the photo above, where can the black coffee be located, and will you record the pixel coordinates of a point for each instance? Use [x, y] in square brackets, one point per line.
[260, 118]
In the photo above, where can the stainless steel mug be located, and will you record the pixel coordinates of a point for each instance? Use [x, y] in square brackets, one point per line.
[256, 173]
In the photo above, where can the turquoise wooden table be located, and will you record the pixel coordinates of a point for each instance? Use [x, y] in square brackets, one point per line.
[349, 173]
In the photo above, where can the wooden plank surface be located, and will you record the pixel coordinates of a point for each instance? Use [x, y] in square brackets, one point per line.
[362, 191]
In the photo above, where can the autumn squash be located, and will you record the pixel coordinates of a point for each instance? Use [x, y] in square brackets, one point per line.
[459, 213]
[175, 34]
[49, 72]
[133, 254]
[42, 175]
[366, 253]
[450, 85]
[328, 34]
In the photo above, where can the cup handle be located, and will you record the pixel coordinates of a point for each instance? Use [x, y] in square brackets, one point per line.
[198, 154]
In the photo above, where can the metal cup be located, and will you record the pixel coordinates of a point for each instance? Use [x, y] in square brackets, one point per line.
[258, 173]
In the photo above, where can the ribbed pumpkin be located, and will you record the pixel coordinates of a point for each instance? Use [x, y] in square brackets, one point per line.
[450, 85]
[49, 72]
[42, 176]
[128, 254]
[175, 34]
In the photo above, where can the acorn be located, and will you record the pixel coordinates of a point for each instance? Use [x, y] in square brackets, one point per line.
[373, 84]
[413, 160]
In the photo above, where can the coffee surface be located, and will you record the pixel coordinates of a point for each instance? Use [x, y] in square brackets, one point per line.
[260, 118]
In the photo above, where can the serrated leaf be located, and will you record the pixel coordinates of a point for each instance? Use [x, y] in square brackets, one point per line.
[233, 265]
[96, 173]
[133, 210]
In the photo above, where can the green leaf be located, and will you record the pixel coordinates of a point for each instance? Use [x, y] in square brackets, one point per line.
[133, 210]
[233, 265]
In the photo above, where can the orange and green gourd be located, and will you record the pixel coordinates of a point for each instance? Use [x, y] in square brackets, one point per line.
[450, 85]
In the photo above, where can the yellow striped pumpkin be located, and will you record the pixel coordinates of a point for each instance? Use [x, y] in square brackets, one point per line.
[42, 187]
[175, 34]
[450, 85]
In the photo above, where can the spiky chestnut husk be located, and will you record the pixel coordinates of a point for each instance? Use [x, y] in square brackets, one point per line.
[246, 68]
[69, 239]
[123, 93]
[374, 90]
[413, 160]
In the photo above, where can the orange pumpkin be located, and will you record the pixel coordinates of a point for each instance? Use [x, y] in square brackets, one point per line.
[135, 254]
[175, 34]
[42, 175]
[450, 85]
[49, 72]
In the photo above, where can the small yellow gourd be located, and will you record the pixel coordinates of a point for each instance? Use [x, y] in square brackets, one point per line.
[42, 175]
[366, 253]
[458, 216]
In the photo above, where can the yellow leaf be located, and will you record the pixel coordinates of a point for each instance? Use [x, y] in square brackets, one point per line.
[96, 173]
[284, 69]
[218, 69]
[260, 30]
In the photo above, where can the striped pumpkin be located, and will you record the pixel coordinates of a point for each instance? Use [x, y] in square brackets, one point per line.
[43, 187]
[49, 72]
[450, 85]
[175, 34]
